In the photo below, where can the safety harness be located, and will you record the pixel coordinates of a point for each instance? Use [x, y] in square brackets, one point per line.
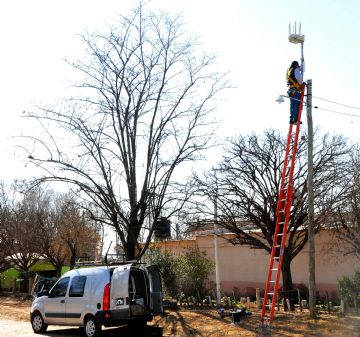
[293, 85]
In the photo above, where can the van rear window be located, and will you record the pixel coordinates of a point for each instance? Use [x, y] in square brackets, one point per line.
[77, 286]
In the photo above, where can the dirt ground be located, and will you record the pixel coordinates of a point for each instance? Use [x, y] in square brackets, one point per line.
[207, 323]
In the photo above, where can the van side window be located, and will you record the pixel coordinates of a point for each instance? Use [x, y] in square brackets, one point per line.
[77, 286]
[60, 288]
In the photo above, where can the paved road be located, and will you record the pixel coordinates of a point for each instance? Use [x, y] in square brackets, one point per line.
[11, 328]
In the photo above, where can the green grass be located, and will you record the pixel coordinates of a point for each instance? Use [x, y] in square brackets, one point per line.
[6, 277]
[42, 266]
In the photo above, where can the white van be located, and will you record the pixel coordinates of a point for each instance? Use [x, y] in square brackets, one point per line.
[96, 296]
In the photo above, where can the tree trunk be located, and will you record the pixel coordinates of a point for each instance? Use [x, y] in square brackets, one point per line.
[58, 269]
[287, 281]
[130, 250]
[72, 260]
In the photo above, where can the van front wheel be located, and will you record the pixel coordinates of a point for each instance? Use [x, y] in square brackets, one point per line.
[92, 328]
[37, 323]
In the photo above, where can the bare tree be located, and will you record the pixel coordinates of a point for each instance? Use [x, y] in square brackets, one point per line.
[4, 249]
[66, 232]
[75, 231]
[4, 216]
[147, 94]
[246, 185]
[346, 219]
[19, 233]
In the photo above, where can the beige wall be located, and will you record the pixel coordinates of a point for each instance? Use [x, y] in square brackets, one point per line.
[246, 268]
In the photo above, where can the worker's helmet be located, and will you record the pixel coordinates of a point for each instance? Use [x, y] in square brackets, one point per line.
[294, 64]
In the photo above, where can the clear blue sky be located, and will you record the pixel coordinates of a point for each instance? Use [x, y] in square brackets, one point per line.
[250, 38]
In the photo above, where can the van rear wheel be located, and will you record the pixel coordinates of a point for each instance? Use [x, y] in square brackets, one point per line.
[91, 328]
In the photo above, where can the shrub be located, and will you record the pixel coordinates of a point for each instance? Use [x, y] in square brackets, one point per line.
[183, 275]
[166, 261]
[349, 289]
[193, 270]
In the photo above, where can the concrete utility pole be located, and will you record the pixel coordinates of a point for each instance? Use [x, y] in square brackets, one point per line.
[310, 183]
[216, 248]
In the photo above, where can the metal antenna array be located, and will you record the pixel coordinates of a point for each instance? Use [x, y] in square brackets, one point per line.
[296, 37]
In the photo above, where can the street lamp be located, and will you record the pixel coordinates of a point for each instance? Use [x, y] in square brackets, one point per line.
[280, 99]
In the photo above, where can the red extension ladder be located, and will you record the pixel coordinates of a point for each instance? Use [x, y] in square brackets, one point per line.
[282, 220]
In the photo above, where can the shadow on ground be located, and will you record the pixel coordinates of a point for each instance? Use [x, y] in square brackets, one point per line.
[109, 332]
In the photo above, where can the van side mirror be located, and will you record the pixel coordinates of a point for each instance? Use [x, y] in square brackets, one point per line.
[42, 293]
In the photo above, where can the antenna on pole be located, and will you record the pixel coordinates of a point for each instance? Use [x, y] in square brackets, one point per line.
[295, 37]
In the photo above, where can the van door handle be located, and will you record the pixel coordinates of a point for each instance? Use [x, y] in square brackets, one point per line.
[62, 301]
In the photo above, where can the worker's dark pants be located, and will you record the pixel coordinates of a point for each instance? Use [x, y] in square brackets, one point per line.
[294, 104]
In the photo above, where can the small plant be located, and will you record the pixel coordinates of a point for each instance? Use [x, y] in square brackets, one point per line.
[350, 289]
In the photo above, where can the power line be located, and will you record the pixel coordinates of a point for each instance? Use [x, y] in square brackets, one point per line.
[333, 102]
[337, 112]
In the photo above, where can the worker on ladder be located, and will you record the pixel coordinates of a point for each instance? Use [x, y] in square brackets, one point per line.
[294, 78]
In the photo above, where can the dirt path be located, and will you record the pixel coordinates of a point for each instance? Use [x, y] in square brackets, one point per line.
[12, 328]
[14, 322]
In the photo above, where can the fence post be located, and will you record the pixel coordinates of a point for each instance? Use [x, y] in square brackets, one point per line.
[258, 298]
[342, 306]
[328, 302]
[299, 299]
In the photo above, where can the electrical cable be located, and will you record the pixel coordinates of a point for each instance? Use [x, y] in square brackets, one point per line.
[327, 100]
[333, 102]
[337, 112]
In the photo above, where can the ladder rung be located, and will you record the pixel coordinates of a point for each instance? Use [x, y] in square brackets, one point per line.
[274, 269]
[272, 281]
[270, 293]
[280, 234]
[276, 257]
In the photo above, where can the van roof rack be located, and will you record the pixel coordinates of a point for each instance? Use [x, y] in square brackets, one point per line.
[86, 262]
[116, 259]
